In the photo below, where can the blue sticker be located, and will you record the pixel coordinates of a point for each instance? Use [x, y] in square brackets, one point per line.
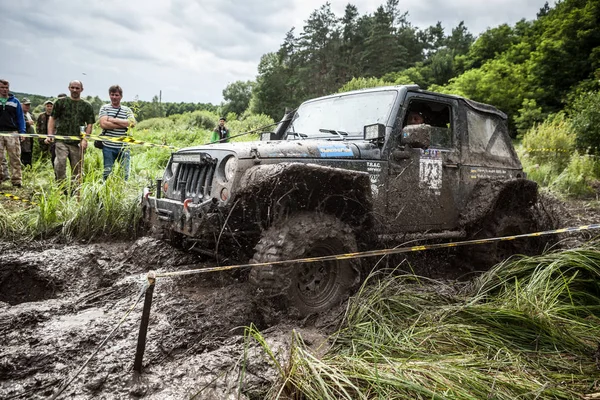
[335, 150]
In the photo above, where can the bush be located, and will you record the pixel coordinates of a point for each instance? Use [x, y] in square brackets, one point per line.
[156, 124]
[250, 123]
[550, 143]
[529, 116]
[201, 120]
[576, 178]
[586, 122]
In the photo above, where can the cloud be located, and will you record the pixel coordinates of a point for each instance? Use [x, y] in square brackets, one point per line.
[189, 49]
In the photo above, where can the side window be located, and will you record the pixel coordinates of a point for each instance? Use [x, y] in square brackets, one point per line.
[485, 134]
[437, 115]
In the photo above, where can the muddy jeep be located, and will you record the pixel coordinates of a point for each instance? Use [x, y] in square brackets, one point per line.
[344, 173]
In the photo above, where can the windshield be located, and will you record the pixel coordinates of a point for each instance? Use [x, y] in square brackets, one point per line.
[341, 116]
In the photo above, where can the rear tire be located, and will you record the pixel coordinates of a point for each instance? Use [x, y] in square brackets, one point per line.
[306, 288]
[505, 223]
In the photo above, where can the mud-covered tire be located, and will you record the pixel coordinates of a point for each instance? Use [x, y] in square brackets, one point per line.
[505, 223]
[306, 288]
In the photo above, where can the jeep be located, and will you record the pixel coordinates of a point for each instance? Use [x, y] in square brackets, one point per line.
[341, 174]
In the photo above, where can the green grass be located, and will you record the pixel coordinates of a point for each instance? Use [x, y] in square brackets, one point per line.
[529, 328]
[101, 210]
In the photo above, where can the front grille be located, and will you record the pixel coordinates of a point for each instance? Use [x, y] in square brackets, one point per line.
[195, 179]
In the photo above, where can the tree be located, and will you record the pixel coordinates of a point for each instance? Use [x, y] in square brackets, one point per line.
[460, 40]
[269, 95]
[490, 44]
[318, 53]
[586, 122]
[237, 96]
[383, 52]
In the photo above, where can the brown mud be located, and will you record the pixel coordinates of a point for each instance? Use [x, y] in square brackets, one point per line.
[59, 301]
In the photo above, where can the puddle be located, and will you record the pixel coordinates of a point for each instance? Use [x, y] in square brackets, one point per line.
[78, 320]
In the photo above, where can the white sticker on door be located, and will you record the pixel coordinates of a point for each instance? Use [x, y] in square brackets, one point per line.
[430, 173]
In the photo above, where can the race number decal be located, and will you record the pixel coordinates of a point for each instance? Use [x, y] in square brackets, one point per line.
[430, 173]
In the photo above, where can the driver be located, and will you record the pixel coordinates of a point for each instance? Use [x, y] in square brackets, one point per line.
[415, 118]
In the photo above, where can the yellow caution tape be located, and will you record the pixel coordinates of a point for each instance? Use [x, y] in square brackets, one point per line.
[125, 139]
[374, 253]
[547, 151]
[17, 198]
[130, 140]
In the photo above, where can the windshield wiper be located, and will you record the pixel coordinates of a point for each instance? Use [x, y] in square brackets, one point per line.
[341, 134]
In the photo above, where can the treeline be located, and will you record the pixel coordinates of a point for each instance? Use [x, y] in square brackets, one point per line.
[143, 109]
[528, 70]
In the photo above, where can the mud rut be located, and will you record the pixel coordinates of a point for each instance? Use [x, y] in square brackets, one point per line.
[58, 302]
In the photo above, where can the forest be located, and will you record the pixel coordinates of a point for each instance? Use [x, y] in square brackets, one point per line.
[530, 70]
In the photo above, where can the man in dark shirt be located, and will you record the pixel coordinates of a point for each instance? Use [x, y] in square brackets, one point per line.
[11, 121]
[71, 116]
[27, 142]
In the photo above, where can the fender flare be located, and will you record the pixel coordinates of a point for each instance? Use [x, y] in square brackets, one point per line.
[297, 186]
[490, 196]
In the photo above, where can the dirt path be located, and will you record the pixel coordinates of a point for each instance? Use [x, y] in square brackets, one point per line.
[58, 302]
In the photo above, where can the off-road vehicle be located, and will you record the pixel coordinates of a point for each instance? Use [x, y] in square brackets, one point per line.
[344, 173]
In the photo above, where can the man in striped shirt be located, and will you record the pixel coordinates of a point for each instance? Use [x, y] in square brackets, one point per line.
[115, 120]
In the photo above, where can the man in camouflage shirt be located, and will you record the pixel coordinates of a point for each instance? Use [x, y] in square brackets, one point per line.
[70, 116]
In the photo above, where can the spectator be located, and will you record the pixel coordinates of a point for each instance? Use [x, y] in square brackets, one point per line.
[11, 120]
[27, 142]
[221, 133]
[70, 116]
[42, 128]
[115, 120]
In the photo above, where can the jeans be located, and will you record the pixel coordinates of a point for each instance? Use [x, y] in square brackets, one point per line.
[111, 155]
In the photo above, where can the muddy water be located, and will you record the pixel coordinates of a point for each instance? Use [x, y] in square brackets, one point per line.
[58, 302]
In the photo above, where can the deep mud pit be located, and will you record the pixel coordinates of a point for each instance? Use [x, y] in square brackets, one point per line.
[58, 302]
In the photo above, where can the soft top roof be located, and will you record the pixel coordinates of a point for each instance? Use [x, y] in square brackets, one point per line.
[481, 107]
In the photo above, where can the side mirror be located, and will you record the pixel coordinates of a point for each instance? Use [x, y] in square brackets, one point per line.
[373, 132]
[417, 136]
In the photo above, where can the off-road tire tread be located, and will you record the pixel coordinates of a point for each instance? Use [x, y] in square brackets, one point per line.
[289, 239]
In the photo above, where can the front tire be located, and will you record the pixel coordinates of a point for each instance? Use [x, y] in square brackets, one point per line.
[506, 223]
[306, 288]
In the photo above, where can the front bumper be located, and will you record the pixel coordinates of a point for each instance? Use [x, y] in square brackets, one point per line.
[193, 220]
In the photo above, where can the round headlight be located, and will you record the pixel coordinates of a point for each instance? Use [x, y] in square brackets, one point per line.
[230, 168]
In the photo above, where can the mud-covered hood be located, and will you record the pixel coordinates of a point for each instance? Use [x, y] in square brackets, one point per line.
[308, 148]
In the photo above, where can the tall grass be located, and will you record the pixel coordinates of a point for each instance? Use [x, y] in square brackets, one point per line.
[106, 209]
[526, 329]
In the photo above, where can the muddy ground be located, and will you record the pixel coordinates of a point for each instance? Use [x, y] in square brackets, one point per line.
[59, 301]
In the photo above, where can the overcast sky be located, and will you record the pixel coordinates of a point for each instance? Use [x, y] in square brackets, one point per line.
[188, 49]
